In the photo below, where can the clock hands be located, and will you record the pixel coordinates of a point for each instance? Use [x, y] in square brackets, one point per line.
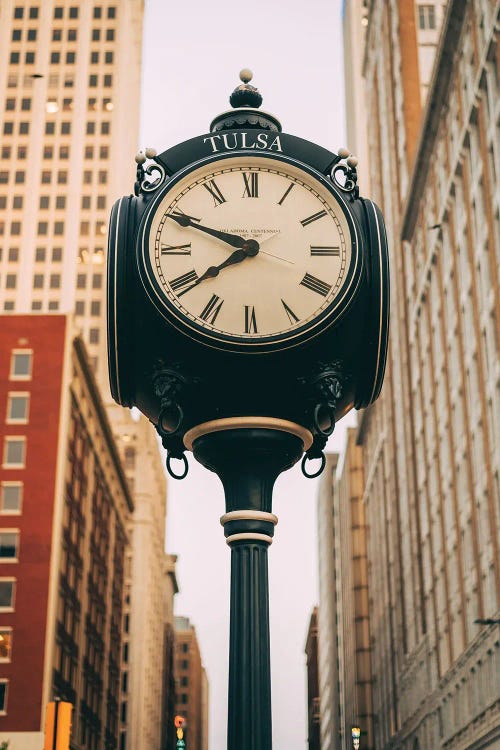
[231, 239]
[250, 248]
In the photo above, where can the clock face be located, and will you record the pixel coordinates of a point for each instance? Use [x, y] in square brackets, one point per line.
[250, 252]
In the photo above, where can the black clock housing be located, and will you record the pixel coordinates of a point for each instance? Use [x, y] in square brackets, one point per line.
[178, 378]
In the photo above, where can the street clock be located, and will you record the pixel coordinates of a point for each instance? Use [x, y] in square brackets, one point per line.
[246, 277]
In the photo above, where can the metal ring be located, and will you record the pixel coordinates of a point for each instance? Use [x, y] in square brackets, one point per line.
[179, 458]
[331, 415]
[163, 414]
[317, 473]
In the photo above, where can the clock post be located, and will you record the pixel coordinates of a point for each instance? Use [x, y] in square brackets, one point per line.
[248, 303]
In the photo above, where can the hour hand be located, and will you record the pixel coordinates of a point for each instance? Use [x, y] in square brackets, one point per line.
[213, 271]
[230, 239]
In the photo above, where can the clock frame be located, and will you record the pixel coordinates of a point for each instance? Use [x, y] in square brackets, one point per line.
[333, 300]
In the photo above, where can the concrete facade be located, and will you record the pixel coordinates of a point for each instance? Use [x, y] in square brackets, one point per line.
[192, 684]
[313, 707]
[431, 443]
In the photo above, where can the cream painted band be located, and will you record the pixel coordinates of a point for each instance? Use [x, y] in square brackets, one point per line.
[248, 536]
[248, 515]
[247, 423]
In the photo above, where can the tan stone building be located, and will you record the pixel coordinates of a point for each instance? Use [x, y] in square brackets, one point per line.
[313, 708]
[344, 649]
[431, 443]
[70, 75]
[192, 685]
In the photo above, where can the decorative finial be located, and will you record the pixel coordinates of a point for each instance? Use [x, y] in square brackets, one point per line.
[246, 75]
[245, 95]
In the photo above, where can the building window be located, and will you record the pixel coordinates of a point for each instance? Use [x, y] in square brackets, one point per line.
[110, 35]
[29, 58]
[81, 281]
[65, 128]
[9, 545]
[17, 408]
[426, 17]
[96, 35]
[54, 305]
[18, 12]
[36, 305]
[14, 58]
[26, 104]
[31, 35]
[7, 593]
[72, 34]
[15, 228]
[95, 308]
[33, 12]
[24, 129]
[55, 281]
[11, 497]
[59, 227]
[11, 281]
[5, 644]
[42, 228]
[40, 255]
[44, 202]
[97, 281]
[70, 58]
[58, 12]
[13, 254]
[46, 178]
[20, 177]
[4, 686]
[79, 308]
[73, 12]
[17, 201]
[112, 12]
[14, 452]
[21, 365]
[57, 251]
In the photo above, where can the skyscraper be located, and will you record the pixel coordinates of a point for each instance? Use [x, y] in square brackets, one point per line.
[70, 74]
[431, 443]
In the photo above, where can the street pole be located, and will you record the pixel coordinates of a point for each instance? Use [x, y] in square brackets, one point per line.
[248, 461]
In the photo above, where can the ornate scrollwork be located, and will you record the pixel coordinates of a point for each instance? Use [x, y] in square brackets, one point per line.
[143, 181]
[345, 176]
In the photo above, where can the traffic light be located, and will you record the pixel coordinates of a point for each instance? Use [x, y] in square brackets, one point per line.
[58, 725]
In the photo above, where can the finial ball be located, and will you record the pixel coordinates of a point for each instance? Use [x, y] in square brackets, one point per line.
[246, 75]
[140, 158]
[343, 152]
[150, 153]
[352, 161]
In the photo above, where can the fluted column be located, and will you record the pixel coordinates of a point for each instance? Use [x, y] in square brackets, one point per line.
[248, 461]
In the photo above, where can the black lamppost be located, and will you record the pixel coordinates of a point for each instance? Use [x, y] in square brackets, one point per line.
[248, 300]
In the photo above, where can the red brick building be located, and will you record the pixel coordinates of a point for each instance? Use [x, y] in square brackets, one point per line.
[64, 506]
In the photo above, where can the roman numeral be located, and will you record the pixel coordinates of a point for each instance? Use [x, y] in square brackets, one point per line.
[184, 280]
[212, 309]
[322, 250]
[291, 315]
[214, 191]
[251, 185]
[314, 217]
[286, 193]
[176, 249]
[316, 285]
[250, 320]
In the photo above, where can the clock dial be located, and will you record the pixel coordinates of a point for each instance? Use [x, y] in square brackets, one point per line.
[251, 250]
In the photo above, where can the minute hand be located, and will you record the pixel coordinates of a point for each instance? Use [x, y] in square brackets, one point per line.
[230, 239]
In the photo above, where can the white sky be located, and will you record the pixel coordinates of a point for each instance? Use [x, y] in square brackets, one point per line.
[193, 53]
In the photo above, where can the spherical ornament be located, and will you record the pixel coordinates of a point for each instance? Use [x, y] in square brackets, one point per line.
[352, 161]
[343, 152]
[246, 75]
[151, 153]
[140, 158]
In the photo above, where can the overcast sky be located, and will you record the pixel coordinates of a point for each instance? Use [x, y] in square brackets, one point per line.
[193, 52]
